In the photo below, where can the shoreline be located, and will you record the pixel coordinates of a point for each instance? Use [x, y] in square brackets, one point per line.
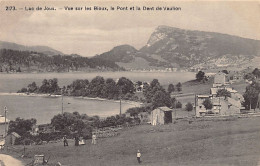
[75, 97]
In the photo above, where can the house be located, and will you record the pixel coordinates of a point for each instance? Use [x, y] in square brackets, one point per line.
[161, 115]
[139, 86]
[199, 107]
[220, 79]
[46, 128]
[221, 106]
[235, 76]
[225, 106]
[35, 130]
[3, 120]
[11, 138]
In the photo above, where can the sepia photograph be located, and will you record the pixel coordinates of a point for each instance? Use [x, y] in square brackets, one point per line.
[118, 83]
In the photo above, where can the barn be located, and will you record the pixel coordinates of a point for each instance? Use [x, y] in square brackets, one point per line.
[10, 138]
[161, 115]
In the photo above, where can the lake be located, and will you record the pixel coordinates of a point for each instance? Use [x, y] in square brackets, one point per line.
[44, 108]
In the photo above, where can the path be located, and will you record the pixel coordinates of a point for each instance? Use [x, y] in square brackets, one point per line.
[6, 160]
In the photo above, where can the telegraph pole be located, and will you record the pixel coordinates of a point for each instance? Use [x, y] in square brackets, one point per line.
[62, 101]
[5, 109]
[120, 101]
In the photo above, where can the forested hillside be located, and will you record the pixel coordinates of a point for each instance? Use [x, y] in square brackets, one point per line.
[28, 61]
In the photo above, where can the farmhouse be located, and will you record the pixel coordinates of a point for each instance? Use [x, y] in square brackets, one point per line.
[161, 115]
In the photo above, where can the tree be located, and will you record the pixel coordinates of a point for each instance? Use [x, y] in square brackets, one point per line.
[223, 93]
[135, 111]
[96, 86]
[225, 71]
[125, 85]
[161, 98]
[171, 88]
[54, 87]
[110, 90]
[69, 122]
[174, 103]
[154, 83]
[249, 77]
[179, 87]
[251, 95]
[44, 87]
[32, 87]
[207, 104]
[200, 76]
[256, 72]
[188, 107]
[150, 90]
[178, 104]
[21, 126]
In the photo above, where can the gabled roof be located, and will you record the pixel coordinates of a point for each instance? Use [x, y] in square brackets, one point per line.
[15, 134]
[203, 96]
[164, 108]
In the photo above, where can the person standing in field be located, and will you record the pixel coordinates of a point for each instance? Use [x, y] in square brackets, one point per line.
[76, 140]
[65, 141]
[138, 155]
[94, 139]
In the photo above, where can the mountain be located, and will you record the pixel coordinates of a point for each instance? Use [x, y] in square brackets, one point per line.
[188, 48]
[40, 49]
[122, 53]
[170, 47]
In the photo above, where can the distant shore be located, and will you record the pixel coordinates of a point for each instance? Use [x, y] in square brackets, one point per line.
[76, 97]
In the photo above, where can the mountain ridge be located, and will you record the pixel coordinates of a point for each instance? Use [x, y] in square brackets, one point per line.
[170, 47]
[40, 49]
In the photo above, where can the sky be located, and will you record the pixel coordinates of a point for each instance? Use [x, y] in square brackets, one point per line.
[88, 33]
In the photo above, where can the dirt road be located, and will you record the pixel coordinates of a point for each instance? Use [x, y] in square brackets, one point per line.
[6, 160]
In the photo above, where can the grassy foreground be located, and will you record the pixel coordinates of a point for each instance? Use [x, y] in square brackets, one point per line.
[228, 141]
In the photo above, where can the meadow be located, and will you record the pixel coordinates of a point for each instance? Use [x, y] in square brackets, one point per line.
[220, 141]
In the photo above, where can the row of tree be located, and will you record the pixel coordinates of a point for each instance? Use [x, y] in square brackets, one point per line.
[124, 88]
[70, 124]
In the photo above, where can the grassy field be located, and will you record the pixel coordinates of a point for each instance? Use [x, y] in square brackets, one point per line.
[226, 141]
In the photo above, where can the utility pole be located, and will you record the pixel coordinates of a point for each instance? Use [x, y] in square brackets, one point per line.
[5, 109]
[219, 106]
[175, 102]
[120, 102]
[195, 103]
[62, 101]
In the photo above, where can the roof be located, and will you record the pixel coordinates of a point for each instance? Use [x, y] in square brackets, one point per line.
[203, 96]
[231, 90]
[164, 108]
[214, 91]
[220, 73]
[15, 134]
[234, 102]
